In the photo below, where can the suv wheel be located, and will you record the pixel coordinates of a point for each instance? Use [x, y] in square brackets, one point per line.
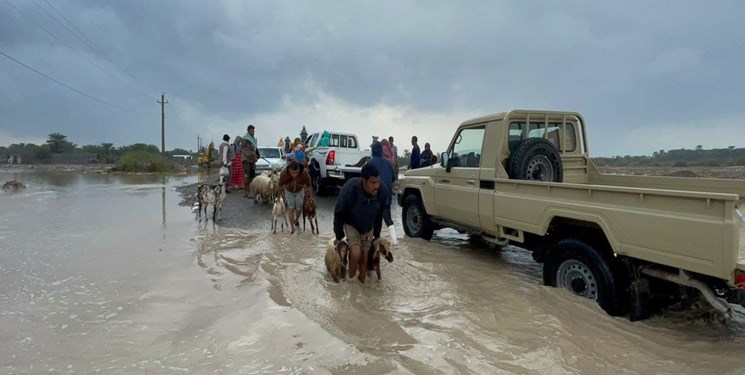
[415, 219]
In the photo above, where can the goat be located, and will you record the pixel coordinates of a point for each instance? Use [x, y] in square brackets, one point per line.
[262, 187]
[214, 194]
[309, 211]
[336, 259]
[278, 213]
[380, 247]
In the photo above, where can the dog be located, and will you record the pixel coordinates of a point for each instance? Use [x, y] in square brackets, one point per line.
[380, 247]
[214, 194]
[309, 212]
[278, 213]
[336, 259]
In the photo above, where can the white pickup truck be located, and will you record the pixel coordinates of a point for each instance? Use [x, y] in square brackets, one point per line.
[329, 154]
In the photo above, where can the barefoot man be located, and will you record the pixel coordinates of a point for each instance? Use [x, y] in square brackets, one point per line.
[358, 215]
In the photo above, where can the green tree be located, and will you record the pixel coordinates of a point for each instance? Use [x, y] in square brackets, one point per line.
[58, 143]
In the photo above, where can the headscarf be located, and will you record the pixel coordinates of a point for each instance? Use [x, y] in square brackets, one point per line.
[388, 151]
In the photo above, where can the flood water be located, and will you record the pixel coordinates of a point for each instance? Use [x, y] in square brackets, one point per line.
[109, 274]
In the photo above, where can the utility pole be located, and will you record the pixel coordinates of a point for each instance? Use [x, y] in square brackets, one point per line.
[162, 102]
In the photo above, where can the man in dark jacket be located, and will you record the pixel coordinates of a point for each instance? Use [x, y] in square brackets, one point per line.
[415, 154]
[358, 215]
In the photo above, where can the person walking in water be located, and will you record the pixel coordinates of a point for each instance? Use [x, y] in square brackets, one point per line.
[358, 215]
[385, 168]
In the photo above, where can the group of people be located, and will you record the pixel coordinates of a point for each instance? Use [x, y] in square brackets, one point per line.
[363, 203]
[421, 159]
[294, 181]
[240, 158]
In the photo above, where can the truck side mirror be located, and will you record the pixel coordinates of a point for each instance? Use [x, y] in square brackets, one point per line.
[443, 159]
[450, 163]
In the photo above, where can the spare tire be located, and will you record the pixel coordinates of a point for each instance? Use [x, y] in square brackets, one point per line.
[535, 159]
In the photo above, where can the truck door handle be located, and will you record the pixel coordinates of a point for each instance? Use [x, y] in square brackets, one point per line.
[444, 181]
[471, 182]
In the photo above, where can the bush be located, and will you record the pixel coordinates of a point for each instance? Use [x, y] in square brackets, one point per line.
[143, 161]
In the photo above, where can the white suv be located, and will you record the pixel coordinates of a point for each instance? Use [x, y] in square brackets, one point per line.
[271, 159]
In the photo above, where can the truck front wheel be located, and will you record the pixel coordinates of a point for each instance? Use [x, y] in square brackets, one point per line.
[415, 219]
[577, 266]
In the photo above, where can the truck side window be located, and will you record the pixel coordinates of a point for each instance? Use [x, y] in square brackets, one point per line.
[334, 140]
[570, 138]
[352, 142]
[466, 151]
[343, 141]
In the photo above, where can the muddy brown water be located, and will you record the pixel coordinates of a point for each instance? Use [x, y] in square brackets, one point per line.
[111, 274]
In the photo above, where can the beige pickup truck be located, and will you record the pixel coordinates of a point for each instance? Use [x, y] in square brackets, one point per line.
[525, 178]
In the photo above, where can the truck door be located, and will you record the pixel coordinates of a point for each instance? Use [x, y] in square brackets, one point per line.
[457, 185]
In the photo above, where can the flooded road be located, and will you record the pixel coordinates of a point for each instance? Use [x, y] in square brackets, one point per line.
[109, 274]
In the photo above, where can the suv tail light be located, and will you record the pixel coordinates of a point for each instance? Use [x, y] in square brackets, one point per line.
[740, 279]
[331, 158]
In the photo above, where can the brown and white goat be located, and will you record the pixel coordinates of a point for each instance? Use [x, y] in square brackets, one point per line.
[309, 212]
[278, 213]
[214, 194]
[336, 259]
[380, 247]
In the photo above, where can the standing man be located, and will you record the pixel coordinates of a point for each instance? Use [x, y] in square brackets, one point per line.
[394, 148]
[225, 159]
[426, 158]
[294, 181]
[358, 215]
[250, 154]
[415, 154]
[385, 167]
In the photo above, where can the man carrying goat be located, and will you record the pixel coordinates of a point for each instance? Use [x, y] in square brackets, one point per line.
[294, 180]
[358, 215]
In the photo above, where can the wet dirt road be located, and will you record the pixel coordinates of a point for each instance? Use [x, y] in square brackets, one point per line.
[111, 275]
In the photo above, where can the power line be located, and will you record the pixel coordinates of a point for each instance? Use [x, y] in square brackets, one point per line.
[71, 88]
[92, 45]
[57, 38]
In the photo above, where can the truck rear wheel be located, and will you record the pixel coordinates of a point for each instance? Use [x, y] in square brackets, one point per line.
[415, 219]
[535, 159]
[580, 268]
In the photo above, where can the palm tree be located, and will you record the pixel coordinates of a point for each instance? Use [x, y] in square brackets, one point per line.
[106, 150]
[57, 142]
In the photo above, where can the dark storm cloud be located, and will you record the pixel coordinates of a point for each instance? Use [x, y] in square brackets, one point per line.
[626, 66]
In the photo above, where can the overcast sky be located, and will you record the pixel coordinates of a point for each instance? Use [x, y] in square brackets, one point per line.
[646, 75]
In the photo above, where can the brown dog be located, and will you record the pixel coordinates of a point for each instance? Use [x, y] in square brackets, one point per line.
[336, 259]
[381, 247]
[309, 211]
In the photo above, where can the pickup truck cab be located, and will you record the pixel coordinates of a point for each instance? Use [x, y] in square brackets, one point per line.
[329, 153]
[525, 177]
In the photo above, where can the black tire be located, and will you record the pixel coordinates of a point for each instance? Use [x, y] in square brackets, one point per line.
[581, 268]
[535, 159]
[415, 219]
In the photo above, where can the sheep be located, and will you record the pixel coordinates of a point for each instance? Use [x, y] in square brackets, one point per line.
[336, 259]
[214, 194]
[309, 211]
[262, 188]
[278, 213]
[380, 247]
